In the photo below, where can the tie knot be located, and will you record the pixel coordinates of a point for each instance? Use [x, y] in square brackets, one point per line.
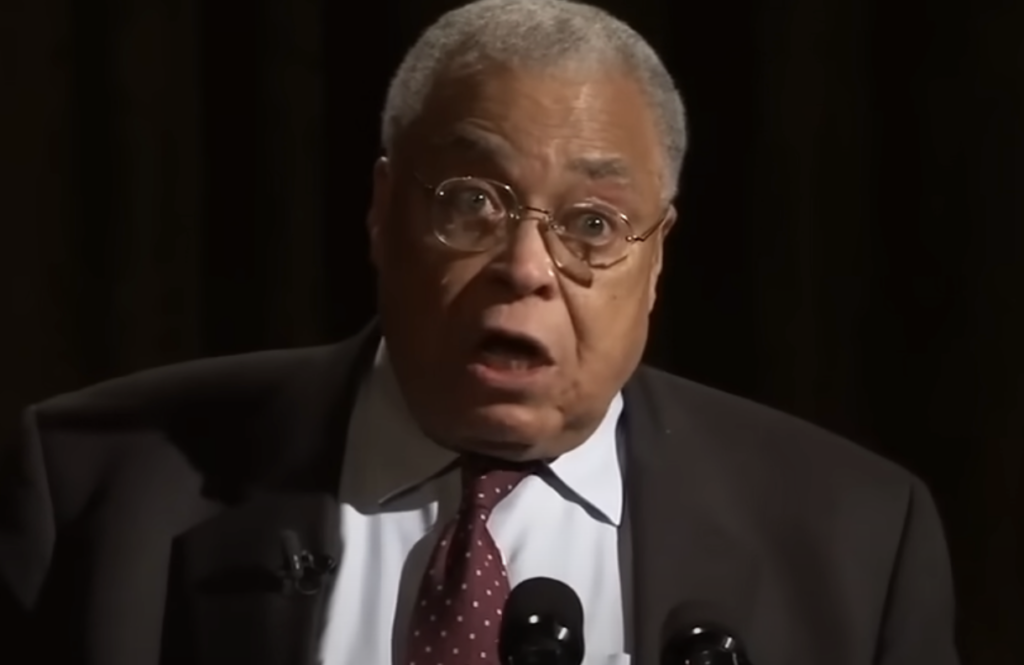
[486, 481]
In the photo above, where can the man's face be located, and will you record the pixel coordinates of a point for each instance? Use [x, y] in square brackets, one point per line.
[500, 352]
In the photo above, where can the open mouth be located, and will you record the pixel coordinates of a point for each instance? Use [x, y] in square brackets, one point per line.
[510, 352]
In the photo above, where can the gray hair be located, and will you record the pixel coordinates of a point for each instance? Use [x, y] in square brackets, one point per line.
[541, 33]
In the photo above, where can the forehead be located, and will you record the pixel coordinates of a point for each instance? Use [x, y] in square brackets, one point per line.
[596, 125]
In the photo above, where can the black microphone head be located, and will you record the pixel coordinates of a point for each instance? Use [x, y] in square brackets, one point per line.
[697, 634]
[542, 624]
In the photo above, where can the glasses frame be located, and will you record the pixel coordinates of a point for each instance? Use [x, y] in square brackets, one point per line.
[517, 214]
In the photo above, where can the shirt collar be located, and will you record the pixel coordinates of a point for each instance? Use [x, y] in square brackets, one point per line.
[393, 455]
[592, 471]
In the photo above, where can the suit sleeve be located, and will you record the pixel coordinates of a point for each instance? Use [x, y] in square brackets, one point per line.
[920, 612]
[27, 532]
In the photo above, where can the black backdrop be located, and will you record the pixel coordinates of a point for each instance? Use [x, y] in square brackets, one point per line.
[187, 178]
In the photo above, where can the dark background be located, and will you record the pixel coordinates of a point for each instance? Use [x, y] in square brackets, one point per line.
[186, 178]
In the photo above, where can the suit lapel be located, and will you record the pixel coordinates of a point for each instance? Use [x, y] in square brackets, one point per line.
[230, 597]
[679, 504]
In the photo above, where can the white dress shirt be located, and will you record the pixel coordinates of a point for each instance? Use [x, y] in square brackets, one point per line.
[398, 490]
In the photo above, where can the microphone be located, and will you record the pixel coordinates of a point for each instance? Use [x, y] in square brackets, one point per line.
[304, 572]
[692, 636]
[542, 624]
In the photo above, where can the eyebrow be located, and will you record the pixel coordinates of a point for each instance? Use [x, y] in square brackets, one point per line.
[601, 168]
[467, 138]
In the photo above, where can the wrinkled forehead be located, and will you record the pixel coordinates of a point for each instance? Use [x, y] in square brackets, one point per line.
[593, 125]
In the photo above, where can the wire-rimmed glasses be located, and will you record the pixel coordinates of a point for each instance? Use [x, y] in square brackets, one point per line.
[475, 215]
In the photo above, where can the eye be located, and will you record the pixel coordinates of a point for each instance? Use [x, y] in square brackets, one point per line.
[469, 213]
[469, 199]
[594, 227]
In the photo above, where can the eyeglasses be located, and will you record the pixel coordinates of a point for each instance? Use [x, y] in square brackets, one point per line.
[476, 215]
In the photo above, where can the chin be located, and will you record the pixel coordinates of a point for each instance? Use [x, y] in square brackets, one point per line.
[511, 431]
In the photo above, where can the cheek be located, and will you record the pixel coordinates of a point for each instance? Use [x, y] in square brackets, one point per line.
[606, 317]
[423, 277]
[611, 321]
[406, 252]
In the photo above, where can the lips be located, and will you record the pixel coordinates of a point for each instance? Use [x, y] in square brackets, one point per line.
[508, 350]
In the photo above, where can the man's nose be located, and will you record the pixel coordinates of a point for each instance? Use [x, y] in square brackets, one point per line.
[525, 266]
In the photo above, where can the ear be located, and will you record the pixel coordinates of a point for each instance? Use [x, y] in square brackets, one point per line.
[659, 256]
[379, 207]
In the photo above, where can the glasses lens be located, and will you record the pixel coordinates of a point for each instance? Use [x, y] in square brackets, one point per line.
[595, 234]
[470, 214]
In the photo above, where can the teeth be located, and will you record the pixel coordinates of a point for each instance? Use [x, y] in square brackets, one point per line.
[507, 363]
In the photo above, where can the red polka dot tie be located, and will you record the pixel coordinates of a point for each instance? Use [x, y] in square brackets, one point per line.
[457, 615]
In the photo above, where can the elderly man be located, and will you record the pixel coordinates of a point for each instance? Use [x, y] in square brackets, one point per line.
[375, 501]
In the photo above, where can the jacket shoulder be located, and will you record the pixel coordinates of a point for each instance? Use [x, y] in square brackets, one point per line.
[218, 421]
[232, 382]
[766, 440]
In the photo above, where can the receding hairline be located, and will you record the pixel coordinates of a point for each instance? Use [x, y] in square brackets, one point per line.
[533, 34]
[441, 130]
[454, 82]
[465, 65]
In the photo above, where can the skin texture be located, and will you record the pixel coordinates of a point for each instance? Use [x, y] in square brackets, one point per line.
[557, 138]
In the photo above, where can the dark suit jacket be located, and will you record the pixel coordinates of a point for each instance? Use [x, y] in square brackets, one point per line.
[140, 521]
